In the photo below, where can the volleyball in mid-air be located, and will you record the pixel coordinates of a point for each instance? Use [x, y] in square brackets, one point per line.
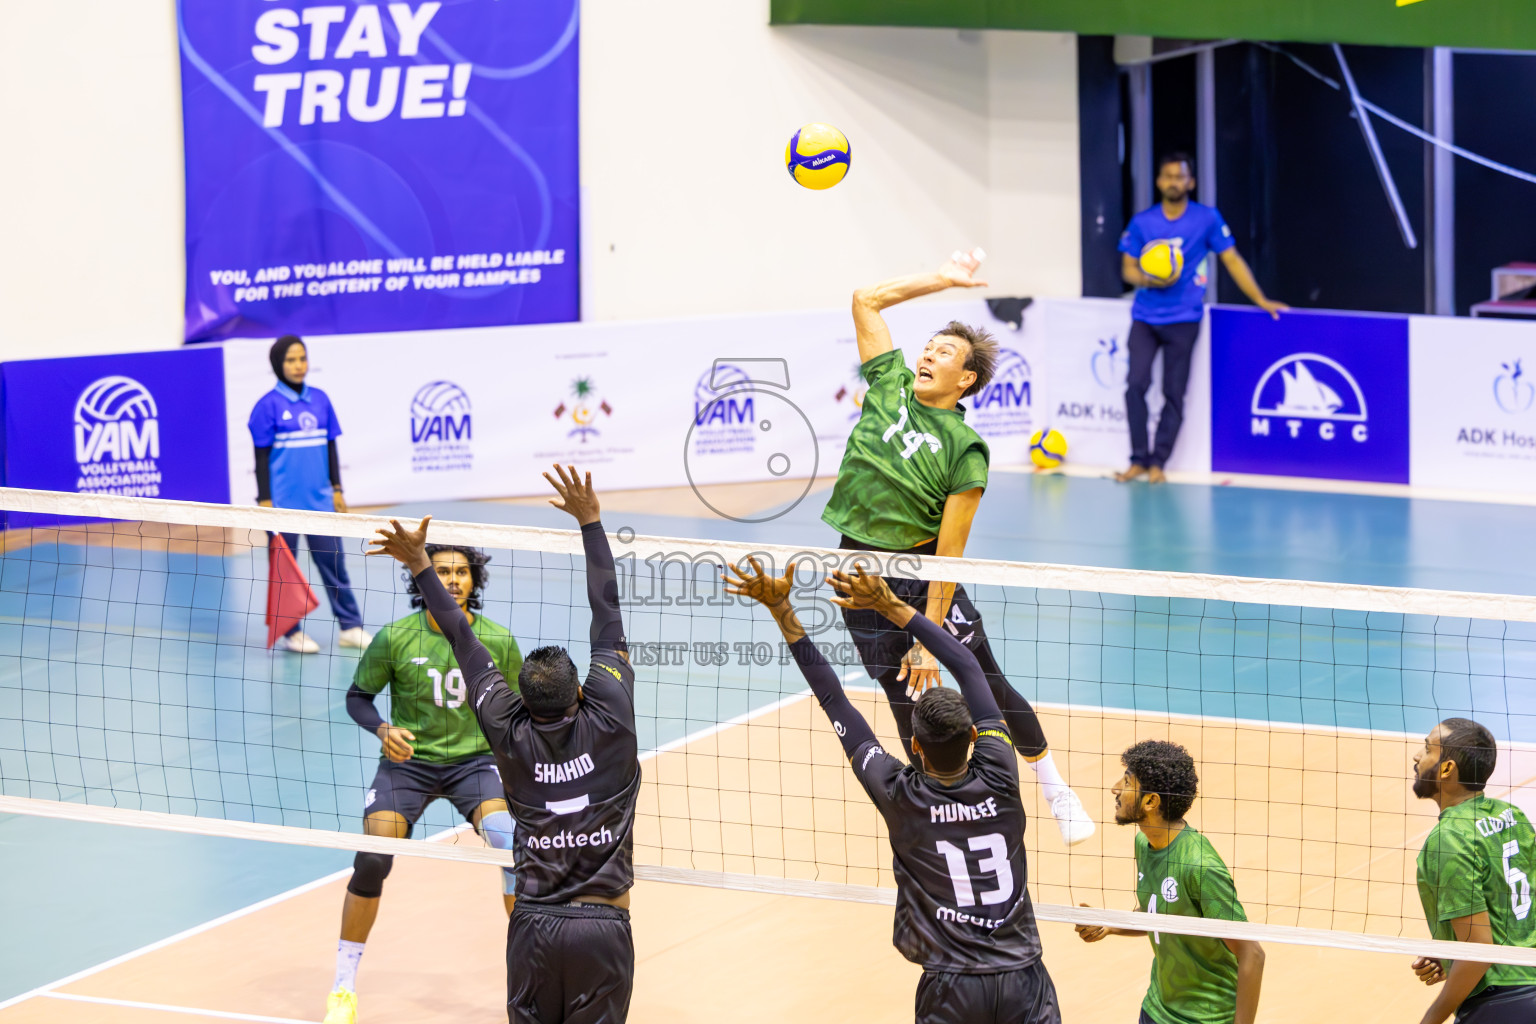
[1047, 448]
[1163, 260]
[818, 156]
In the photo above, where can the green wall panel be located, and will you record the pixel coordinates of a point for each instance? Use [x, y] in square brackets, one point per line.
[1491, 24]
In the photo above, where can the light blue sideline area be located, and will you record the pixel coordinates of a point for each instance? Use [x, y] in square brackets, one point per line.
[140, 678]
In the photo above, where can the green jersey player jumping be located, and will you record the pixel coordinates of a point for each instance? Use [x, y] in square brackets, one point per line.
[1195, 980]
[432, 748]
[911, 480]
[1475, 874]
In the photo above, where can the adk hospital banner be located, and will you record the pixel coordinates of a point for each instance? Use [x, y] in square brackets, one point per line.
[357, 167]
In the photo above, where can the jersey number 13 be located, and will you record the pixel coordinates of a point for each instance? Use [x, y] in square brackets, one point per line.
[994, 864]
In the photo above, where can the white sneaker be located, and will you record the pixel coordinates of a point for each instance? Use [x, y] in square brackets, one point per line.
[357, 636]
[298, 643]
[1073, 821]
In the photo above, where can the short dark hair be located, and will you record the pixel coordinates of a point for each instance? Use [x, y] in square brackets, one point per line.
[547, 681]
[1177, 156]
[941, 722]
[983, 356]
[1473, 749]
[477, 574]
[1165, 769]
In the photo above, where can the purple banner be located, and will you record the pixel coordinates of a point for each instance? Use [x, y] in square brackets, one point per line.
[361, 167]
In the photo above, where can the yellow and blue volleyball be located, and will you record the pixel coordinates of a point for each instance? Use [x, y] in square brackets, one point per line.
[1047, 448]
[1162, 260]
[818, 156]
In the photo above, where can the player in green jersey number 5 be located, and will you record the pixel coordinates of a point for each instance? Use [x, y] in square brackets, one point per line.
[1475, 874]
[1195, 980]
[433, 748]
[911, 481]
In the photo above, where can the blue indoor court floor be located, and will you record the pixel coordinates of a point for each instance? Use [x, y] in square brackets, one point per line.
[155, 633]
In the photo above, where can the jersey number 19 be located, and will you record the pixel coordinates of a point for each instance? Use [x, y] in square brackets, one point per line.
[454, 684]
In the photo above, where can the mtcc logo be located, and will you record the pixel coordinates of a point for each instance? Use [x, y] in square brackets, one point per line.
[117, 438]
[1304, 389]
[1511, 390]
[741, 423]
[1111, 364]
[442, 428]
[1003, 407]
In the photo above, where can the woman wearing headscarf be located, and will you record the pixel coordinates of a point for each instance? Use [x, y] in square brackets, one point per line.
[294, 429]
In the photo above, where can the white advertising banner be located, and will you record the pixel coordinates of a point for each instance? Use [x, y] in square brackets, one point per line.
[1473, 398]
[482, 412]
[1085, 368]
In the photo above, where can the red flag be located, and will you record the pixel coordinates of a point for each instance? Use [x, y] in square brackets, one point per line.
[289, 598]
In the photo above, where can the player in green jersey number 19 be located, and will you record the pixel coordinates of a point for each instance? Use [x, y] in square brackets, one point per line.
[1475, 875]
[1195, 980]
[433, 748]
[911, 480]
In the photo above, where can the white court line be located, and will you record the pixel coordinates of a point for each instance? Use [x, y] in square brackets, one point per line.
[48, 989]
[167, 1008]
[43, 990]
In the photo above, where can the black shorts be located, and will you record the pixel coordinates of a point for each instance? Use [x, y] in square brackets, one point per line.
[569, 964]
[1024, 996]
[408, 786]
[1499, 1004]
[882, 644]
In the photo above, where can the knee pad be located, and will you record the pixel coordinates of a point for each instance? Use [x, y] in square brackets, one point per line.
[498, 830]
[368, 873]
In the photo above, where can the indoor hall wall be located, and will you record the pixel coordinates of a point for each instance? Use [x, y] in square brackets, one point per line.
[91, 184]
[958, 138]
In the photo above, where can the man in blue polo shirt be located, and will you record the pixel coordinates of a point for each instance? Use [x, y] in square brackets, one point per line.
[1167, 312]
[294, 429]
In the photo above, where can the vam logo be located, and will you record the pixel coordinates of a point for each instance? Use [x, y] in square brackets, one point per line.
[1003, 407]
[722, 397]
[117, 438]
[116, 418]
[442, 427]
[1511, 391]
[1306, 388]
[1111, 364]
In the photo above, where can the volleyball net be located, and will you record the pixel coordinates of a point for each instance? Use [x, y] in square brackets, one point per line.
[137, 687]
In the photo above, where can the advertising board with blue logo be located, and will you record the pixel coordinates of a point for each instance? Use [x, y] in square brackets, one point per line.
[372, 167]
[1310, 394]
[1087, 363]
[1474, 403]
[148, 425]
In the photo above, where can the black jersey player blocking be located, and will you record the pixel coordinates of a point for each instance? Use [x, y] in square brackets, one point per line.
[568, 758]
[956, 822]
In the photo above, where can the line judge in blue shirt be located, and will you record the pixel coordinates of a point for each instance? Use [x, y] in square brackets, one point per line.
[294, 429]
[1167, 312]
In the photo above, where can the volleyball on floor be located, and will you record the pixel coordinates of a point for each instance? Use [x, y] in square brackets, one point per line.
[1162, 260]
[1047, 448]
[818, 156]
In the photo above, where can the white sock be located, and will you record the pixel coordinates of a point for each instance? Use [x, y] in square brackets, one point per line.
[1051, 782]
[348, 956]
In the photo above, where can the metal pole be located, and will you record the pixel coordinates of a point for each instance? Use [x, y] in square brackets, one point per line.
[1443, 179]
[1141, 136]
[1205, 144]
[1382, 170]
